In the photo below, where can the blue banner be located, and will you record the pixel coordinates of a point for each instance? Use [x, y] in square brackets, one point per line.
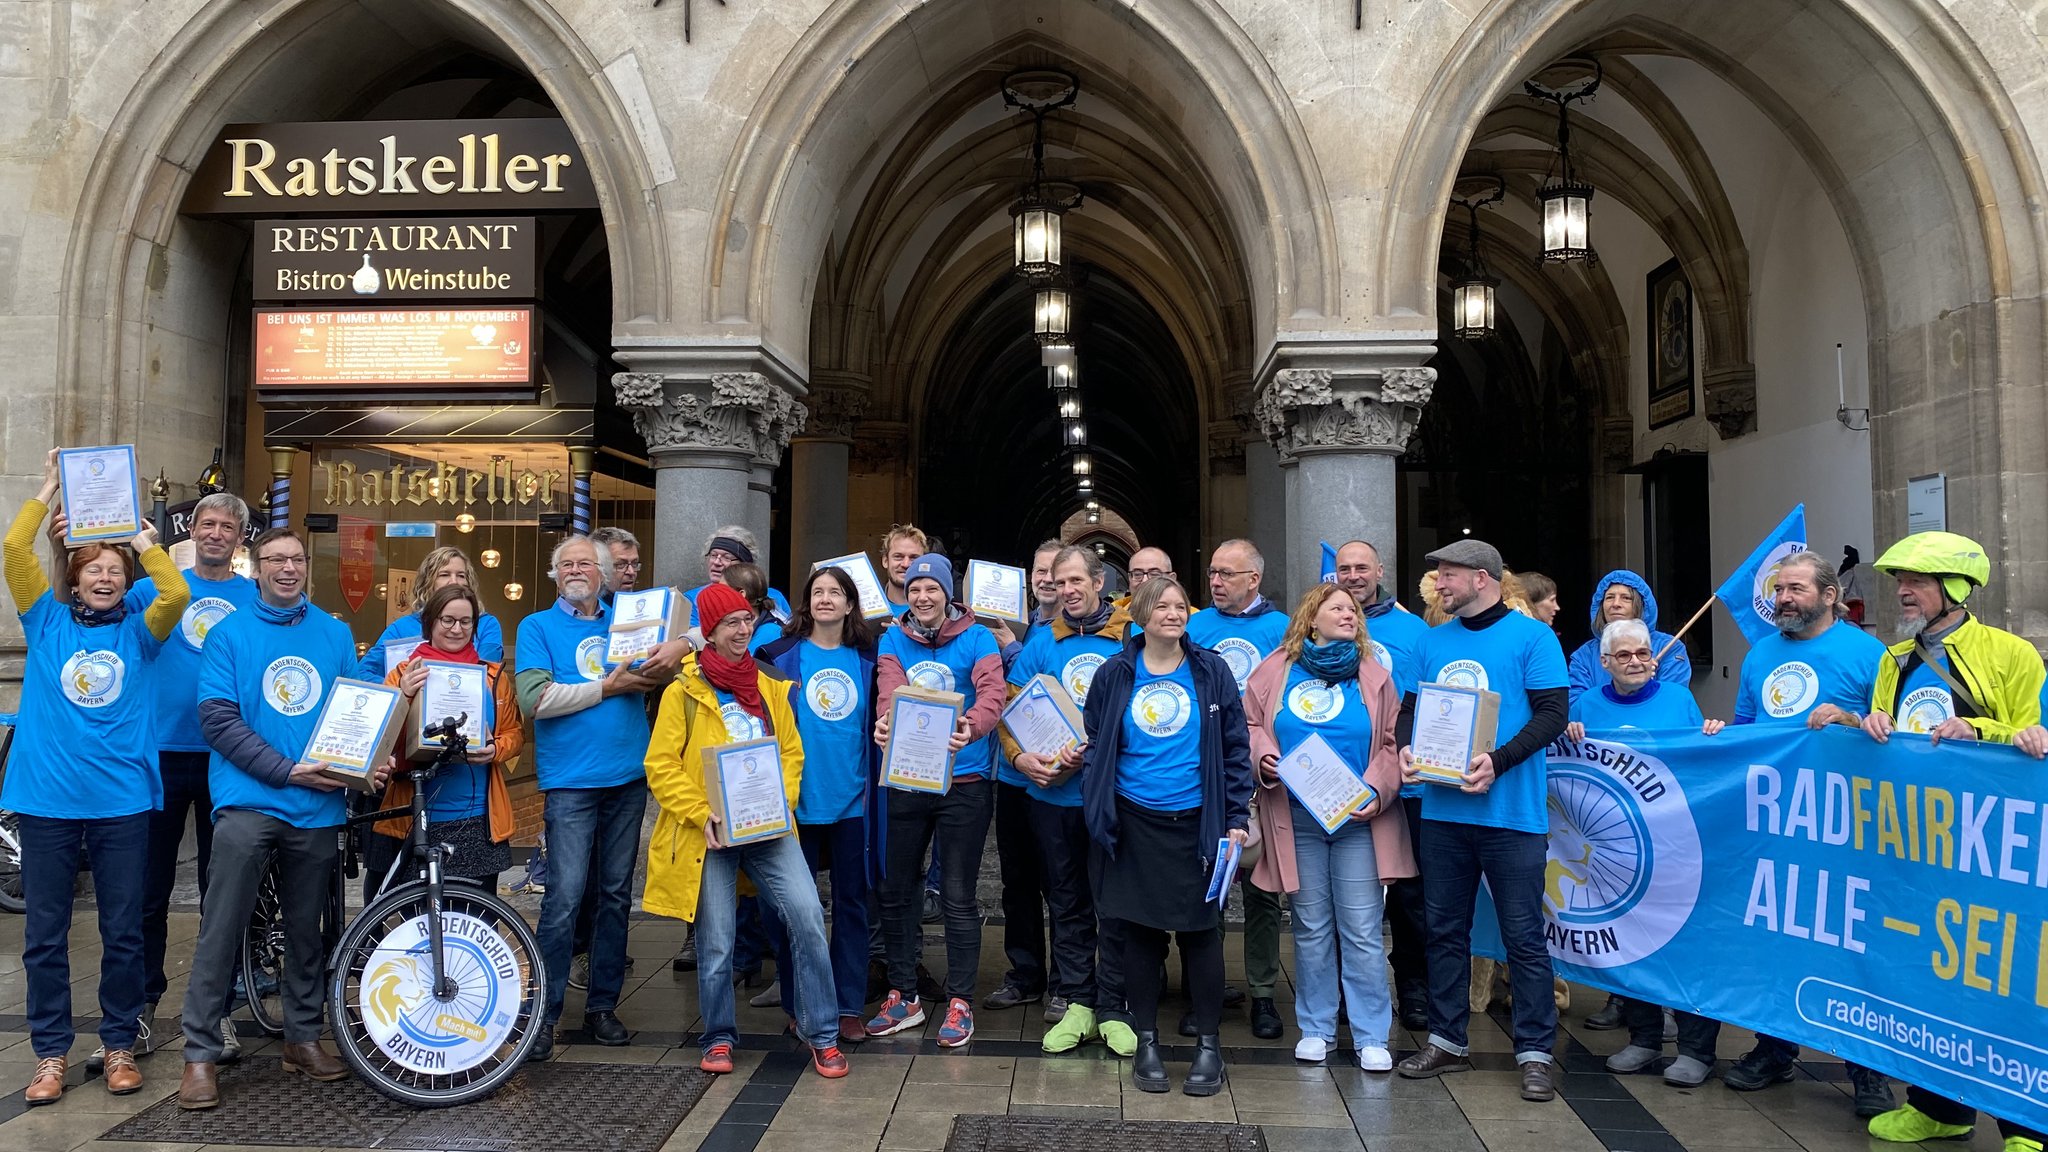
[1887, 903]
[1751, 591]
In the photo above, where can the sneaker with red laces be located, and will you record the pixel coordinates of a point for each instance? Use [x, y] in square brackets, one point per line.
[958, 1027]
[896, 1014]
[829, 1061]
[717, 1059]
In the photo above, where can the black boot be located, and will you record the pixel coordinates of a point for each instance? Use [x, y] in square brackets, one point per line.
[1873, 1092]
[1148, 1070]
[1414, 1006]
[1205, 1075]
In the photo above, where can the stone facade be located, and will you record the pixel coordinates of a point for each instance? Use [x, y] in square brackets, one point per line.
[1294, 251]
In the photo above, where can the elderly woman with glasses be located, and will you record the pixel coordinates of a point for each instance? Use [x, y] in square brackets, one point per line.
[469, 807]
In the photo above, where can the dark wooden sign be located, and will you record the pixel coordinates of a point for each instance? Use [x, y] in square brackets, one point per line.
[391, 166]
[436, 258]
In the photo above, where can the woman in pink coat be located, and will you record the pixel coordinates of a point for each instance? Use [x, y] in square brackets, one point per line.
[1315, 683]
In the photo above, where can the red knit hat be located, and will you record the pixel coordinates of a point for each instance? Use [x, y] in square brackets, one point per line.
[716, 602]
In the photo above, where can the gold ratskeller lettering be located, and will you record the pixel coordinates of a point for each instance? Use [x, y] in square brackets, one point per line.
[442, 483]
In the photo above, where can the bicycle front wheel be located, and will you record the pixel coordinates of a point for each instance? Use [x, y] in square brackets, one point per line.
[432, 1050]
[263, 955]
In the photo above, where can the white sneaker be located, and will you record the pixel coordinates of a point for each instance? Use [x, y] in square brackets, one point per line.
[230, 1044]
[1311, 1049]
[1375, 1059]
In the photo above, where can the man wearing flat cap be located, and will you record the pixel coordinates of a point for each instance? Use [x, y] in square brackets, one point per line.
[1495, 824]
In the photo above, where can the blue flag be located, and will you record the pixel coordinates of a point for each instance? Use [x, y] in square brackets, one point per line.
[1751, 591]
[1329, 563]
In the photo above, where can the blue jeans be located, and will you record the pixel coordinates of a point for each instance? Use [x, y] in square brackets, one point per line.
[119, 850]
[1453, 859]
[586, 827]
[841, 846]
[778, 869]
[1338, 906]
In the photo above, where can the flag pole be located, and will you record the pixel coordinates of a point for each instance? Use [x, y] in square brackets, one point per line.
[1676, 636]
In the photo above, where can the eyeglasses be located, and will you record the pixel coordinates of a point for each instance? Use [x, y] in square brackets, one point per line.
[577, 566]
[1228, 573]
[456, 621]
[1149, 573]
[1633, 656]
[298, 561]
[626, 565]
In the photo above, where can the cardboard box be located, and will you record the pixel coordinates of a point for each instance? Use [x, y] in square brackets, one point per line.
[1062, 701]
[1435, 699]
[359, 727]
[737, 780]
[953, 705]
[420, 714]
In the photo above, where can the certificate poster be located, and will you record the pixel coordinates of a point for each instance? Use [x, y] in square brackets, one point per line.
[919, 755]
[1043, 719]
[1323, 783]
[1452, 725]
[452, 689]
[357, 730]
[874, 605]
[744, 784]
[633, 646]
[99, 493]
[997, 591]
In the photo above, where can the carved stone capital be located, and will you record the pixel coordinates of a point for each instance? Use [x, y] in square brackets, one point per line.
[834, 412]
[1308, 409]
[732, 412]
[879, 449]
[1730, 395]
[1226, 447]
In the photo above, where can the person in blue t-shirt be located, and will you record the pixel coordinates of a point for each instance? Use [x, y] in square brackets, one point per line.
[81, 779]
[1086, 953]
[441, 567]
[267, 672]
[1633, 698]
[1495, 825]
[829, 654]
[219, 521]
[1394, 636]
[937, 645]
[1623, 595]
[1244, 627]
[590, 739]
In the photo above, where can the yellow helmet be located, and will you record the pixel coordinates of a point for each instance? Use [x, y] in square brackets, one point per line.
[1959, 561]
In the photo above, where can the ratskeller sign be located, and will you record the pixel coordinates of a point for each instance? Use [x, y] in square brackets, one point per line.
[438, 258]
[391, 166]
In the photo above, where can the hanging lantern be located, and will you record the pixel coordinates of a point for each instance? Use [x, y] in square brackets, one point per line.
[1051, 311]
[1070, 405]
[1036, 216]
[491, 558]
[1085, 485]
[1567, 220]
[1472, 295]
[1037, 237]
[1083, 465]
[515, 591]
[1075, 433]
[465, 523]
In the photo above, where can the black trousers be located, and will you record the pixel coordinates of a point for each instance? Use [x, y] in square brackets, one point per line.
[959, 820]
[1023, 888]
[1201, 957]
[1087, 953]
[1950, 1111]
[1697, 1035]
[1409, 954]
[185, 790]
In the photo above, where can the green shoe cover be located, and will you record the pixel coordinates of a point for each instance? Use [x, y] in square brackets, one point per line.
[1076, 1028]
[1124, 1042]
[1909, 1125]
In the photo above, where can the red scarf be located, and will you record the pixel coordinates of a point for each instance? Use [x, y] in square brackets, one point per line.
[427, 651]
[739, 678]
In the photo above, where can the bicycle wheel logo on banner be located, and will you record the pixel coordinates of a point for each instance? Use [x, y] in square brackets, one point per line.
[1624, 868]
[434, 1036]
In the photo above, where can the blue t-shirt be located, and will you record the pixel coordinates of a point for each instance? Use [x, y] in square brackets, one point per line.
[766, 632]
[176, 675]
[278, 676]
[1924, 698]
[462, 790]
[1656, 705]
[1513, 657]
[950, 668]
[1783, 679]
[779, 599]
[1337, 712]
[1242, 641]
[835, 720]
[1073, 662]
[740, 724]
[602, 746]
[1396, 641]
[83, 747]
[489, 641]
[1160, 766]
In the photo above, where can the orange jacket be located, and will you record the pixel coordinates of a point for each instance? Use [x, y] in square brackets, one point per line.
[510, 739]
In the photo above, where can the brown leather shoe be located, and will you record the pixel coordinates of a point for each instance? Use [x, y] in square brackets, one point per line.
[314, 1061]
[47, 1085]
[1536, 1081]
[122, 1075]
[201, 1086]
[1433, 1061]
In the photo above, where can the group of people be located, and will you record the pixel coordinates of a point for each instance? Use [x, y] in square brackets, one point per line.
[1108, 849]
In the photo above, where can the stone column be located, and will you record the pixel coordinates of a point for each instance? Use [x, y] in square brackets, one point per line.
[704, 436]
[819, 467]
[1345, 431]
[1266, 507]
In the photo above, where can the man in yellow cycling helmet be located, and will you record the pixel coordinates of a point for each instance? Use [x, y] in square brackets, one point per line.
[1953, 677]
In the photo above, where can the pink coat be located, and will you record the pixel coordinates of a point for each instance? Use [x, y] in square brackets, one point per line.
[1274, 871]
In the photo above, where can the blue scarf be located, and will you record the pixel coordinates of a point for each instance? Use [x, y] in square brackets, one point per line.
[98, 617]
[274, 615]
[1331, 663]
